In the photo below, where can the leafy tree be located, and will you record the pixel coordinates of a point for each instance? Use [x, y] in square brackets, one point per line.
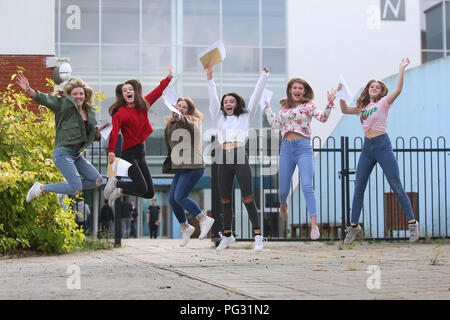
[26, 147]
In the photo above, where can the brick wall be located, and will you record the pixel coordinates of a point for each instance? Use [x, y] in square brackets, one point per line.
[35, 71]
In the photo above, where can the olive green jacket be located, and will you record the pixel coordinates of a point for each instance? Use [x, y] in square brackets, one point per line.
[176, 140]
[69, 124]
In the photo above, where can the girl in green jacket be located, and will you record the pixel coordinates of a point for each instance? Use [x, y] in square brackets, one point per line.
[75, 131]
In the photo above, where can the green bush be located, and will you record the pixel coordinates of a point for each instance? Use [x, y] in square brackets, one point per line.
[26, 146]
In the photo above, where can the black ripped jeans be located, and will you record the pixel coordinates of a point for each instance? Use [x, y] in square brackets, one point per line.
[235, 163]
[141, 184]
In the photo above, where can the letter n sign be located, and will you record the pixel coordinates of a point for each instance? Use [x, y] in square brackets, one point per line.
[392, 10]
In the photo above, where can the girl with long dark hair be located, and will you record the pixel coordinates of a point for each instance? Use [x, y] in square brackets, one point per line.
[130, 115]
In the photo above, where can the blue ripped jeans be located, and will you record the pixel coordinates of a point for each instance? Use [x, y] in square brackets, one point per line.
[79, 173]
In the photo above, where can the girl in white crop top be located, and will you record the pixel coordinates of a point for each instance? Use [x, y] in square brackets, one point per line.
[232, 120]
[372, 108]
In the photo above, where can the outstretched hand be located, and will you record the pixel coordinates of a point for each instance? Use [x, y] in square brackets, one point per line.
[405, 62]
[111, 157]
[170, 72]
[331, 95]
[22, 82]
[266, 70]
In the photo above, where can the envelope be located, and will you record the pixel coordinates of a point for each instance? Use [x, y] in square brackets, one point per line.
[213, 55]
[118, 168]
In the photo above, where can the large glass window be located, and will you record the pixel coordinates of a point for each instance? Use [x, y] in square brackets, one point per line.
[273, 23]
[110, 41]
[79, 21]
[238, 16]
[435, 25]
[156, 22]
[120, 61]
[78, 61]
[200, 22]
[120, 21]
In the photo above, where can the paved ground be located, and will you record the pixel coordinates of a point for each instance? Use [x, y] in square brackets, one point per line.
[161, 270]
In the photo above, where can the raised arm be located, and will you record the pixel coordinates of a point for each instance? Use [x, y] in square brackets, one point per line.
[214, 104]
[47, 100]
[398, 89]
[257, 93]
[323, 116]
[345, 109]
[158, 91]
[271, 117]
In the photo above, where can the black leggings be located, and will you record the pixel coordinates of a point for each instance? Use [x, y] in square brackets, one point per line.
[139, 173]
[227, 170]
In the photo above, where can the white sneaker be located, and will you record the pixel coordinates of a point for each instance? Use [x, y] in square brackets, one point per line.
[109, 188]
[34, 191]
[60, 197]
[205, 226]
[113, 197]
[259, 243]
[315, 233]
[186, 235]
[414, 231]
[225, 242]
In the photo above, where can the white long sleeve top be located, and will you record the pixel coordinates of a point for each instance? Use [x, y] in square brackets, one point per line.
[235, 128]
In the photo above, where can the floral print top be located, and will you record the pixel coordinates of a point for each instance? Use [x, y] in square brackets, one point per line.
[297, 119]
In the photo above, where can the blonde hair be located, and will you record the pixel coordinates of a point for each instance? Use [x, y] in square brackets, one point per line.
[193, 114]
[77, 83]
[288, 102]
[364, 98]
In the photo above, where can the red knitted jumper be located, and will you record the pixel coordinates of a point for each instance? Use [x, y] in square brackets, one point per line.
[134, 123]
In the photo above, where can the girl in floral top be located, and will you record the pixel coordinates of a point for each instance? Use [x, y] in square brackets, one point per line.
[297, 111]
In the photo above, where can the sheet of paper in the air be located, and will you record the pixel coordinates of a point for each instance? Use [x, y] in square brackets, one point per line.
[213, 55]
[266, 97]
[344, 93]
[107, 130]
[170, 99]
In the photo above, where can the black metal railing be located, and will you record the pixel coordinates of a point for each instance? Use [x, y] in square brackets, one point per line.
[424, 174]
[424, 171]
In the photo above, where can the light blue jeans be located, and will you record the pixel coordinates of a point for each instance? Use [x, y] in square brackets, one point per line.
[378, 149]
[79, 173]
[297, 152]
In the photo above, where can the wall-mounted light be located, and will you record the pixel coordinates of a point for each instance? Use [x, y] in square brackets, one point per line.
[62, 69]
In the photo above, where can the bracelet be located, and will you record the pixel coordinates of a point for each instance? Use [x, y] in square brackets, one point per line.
[29, 88]
[331, 103]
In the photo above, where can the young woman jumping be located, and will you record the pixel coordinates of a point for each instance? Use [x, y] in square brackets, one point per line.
[75, 131]
[233, 120]
[187, 164]
[294, 119]
[130, 115]
[372, 108]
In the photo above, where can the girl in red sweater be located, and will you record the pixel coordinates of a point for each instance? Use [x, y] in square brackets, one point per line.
[130, 115]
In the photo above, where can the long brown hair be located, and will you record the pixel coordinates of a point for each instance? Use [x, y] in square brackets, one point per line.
[364, 98]
[288, 102]
[193, 114]
[77, 83]
[139, 101]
